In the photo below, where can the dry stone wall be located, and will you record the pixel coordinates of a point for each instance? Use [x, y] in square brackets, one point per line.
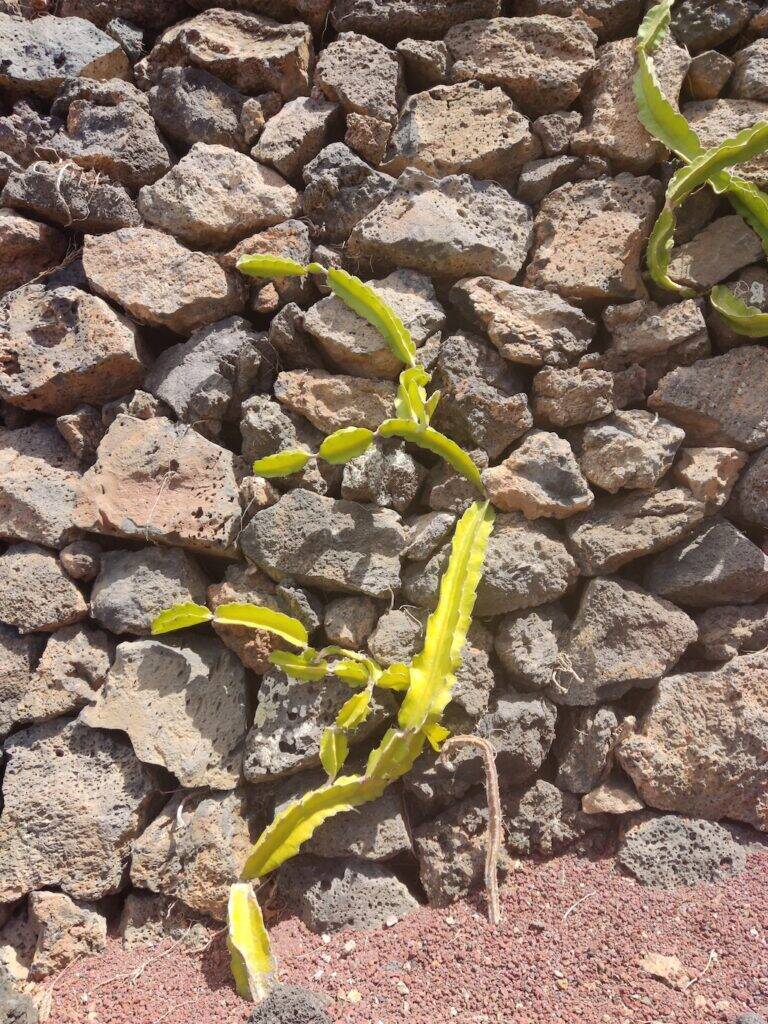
[481, 164]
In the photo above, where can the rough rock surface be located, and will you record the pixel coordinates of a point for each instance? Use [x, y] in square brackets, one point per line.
[632, 449]
[159, 481]
[66, 930]
[46, 838]
[541, 62]
[396, 19]
[527, 643]
[159, 282]
[361, 75]
[60, 347]
[291, 1002]
[668, 851]
[584, 747]
[340, 190]
[330, 895]
[589, 237]
[35, 592]
[728, 630]
[528, 326]
[190, 105]
[452, 227]
[700, 748]
[296, 134]
[27, 248]
[183, 704]
[333, 401]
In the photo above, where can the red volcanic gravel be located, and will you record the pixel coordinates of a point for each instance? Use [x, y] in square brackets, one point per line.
[567, 952]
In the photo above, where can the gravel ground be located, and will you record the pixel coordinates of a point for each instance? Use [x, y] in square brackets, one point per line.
[568, 951]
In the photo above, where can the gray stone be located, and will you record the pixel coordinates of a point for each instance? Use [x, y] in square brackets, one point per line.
[526, 325]
[750, 498]
[354, 346]
[332, 895]
[589, 237]
[183, 704]
[448, 491]
[115, 136]
[37, 56]
[251, 53]
[427, 532]
[159, 282]
[385, 475]
[71, 197]
[621, 637]
[431, 134]
[669, 851]
[215, 196]
[450, 227]
[39, 478]
[751, 286]
[751, 65]
[716, 564]
[483, 398]
[390, 20]
[18, 657]
[612, 129]
[729, 630]
[705, 24]
[71, 669]
[147, 919]
[555, 130]
[712, 765]
[708, 75]
[290, 1003]
[541, 478]
[541, 62]
[543, 819]
[583, 748]
[289, 238]
[642, 332]
[60, 347]
[341, 189]
[130, 37]
[333, 401]
[133, 587]
[27, 249]
[375, 831]
[190, 105]
[710, 473]
[527, 643]
[126, 493]
[109, 93]
[47, 839]
[144, 12]
[714, 121]
[426, 62]
[205, 379]
[628, 526]
[296, 134]
[540, 177]
[349, 621]
[290, 718]
[361, 75]
[195, 848]
[720, 249]
[397, 635]
[608, 18]
[18, 1007]
[35, 592]
[566, 398]
[632, 449]
[25, 135]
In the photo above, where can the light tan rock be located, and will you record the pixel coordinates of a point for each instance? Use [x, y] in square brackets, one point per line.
[193, 717]
[39, 480]
[147, 919]
[160, 481]
[248, 51]
[66, 931]
[715, 253]
[61, 347]
[35, 592]
[195, 849]
[608, 18]
[567, 397]
[618, 530]
[659, 338]
[355, 346]
[361, 75]
[18, 656]
[528, 326]
[27, 248]
[540, 478]
[719, 401]
[247, 584]
[709, 473]
[611, 126]
[332, 401]
[589, 238]
[390, 20]
[448, 227]
[296, 134]
[714, 121]
[728, 630]
[367, 136]
[541, 62]
[702, 746]
[632, 449]
[159, 282]
[616, 795]
[431, 133]
[74, 800]
[214, 196]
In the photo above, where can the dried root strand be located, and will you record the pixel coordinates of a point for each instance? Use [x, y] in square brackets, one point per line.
[493, 846]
